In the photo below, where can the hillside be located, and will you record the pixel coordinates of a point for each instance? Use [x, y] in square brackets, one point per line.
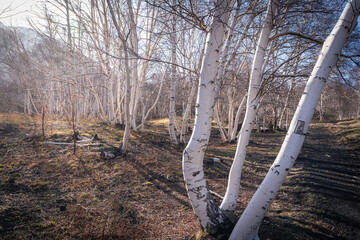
[49, 193]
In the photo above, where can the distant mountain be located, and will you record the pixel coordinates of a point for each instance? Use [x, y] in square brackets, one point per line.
[29, 37]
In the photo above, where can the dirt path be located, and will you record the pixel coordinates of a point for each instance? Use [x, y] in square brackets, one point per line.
[323, 189]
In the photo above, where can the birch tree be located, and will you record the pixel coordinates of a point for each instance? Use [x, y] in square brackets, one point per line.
[230, 198]
[248, 225]
[123, 39]
[172, 113]
[209, 215]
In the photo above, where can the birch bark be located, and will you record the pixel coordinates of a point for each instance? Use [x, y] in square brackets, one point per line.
[232, 191]
[249, 223]
[172, 113]
[207, 212]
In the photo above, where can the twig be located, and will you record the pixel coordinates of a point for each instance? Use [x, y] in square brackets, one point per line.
[216, 194]
[2, 159]
[219, 196]
[92, 209]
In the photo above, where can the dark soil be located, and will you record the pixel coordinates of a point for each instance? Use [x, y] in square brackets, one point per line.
[48, 193]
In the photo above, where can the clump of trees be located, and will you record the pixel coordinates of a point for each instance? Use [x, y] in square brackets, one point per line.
[250, 63]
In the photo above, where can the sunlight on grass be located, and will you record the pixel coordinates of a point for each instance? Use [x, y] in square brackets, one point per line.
[348, 132]
[160, 122]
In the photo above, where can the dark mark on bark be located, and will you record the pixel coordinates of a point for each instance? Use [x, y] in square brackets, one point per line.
[299, 129]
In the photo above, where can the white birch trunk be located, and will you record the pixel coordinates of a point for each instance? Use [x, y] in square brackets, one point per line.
[232, 191]
[134, 44]
[126, 137]
[172, 114]
[230, 114]
[249, 223]
[209, 215]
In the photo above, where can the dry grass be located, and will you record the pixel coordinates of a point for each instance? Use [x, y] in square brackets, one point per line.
[49, 193]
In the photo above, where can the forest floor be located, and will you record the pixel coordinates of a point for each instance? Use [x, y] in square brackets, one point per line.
[46, 192]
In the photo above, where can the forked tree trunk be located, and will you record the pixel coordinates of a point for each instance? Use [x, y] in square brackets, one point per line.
[206, 210]
[249, 223]
[232, 191]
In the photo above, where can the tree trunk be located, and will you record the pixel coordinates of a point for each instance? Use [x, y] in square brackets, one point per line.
[231, 195]
[206, 210]
[172, 113]
[249, 223]
[134, 45]
[126, 137]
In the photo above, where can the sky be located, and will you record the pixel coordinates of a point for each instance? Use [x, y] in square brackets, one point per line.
[21, 10]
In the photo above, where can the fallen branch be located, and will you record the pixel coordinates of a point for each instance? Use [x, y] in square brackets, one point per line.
[216, 194]
[78, 143]
[85, 141]
[219, 196]
[7, 152]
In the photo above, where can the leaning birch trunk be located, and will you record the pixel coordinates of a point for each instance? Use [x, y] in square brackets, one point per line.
[232, 191]
[249, 223]
[206, 210]
[172, 114]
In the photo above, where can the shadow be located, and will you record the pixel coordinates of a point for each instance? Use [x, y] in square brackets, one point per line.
[174, 185]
